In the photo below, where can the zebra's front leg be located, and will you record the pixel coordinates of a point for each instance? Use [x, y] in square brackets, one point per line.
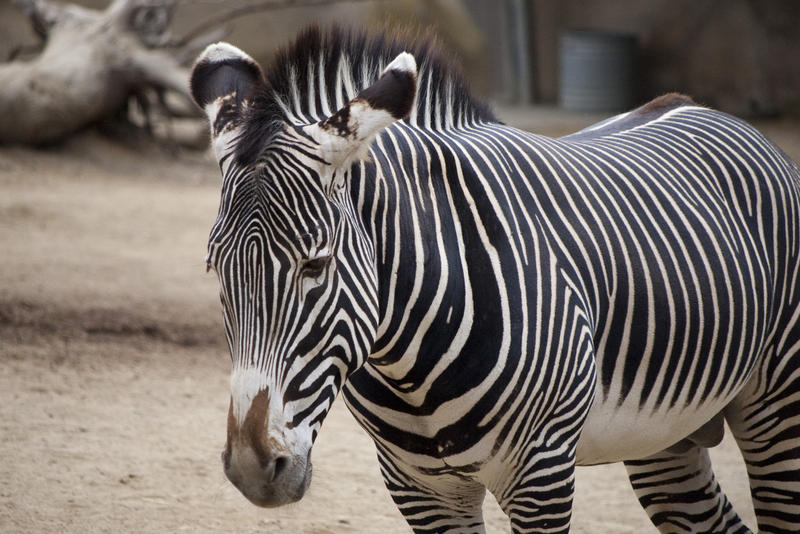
[680, 493]
[435, 503]
[538, 498]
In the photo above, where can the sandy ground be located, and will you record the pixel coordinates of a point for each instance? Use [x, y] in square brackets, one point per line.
[113, 369]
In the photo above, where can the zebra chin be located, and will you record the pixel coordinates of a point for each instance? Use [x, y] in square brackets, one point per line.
[267, 480]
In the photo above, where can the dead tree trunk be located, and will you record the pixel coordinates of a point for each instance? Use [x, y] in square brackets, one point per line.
[92, 63]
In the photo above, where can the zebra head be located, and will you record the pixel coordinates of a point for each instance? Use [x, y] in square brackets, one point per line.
[296, 268]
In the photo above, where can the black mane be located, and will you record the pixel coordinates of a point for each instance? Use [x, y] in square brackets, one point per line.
[294, 91]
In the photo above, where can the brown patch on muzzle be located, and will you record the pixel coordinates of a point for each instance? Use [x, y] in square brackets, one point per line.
[253, 429]
[261, 465]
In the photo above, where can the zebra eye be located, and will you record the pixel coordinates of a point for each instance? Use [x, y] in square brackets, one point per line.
[314, 267]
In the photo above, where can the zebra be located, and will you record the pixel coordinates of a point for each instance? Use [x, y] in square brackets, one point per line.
[497, 306]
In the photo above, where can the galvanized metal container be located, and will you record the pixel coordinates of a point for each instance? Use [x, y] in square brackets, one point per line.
[596, 70]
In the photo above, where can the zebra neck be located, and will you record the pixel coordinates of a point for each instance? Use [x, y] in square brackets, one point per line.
[402, 201]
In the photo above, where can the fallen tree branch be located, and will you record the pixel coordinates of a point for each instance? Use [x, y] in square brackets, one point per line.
[93, 62]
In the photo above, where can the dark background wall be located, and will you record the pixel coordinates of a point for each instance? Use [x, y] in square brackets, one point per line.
[742, 56]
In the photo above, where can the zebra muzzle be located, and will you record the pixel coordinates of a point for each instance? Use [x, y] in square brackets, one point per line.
[267, 480]
[268, 473]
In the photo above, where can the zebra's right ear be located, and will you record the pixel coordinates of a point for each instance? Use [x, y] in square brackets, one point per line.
[223, 79]
[346, 136]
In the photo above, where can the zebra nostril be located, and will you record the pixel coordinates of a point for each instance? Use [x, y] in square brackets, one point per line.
[226, 459]
[281, 464]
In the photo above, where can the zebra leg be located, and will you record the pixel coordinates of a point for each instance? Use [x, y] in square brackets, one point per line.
[680, 493]
[435, 503]
[539, 498]
[765, 419]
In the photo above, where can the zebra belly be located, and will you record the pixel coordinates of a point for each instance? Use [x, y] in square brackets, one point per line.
[670, 361]
[651, 402]
[614, 433]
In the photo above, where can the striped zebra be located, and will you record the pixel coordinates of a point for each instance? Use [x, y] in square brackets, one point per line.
[497, 306]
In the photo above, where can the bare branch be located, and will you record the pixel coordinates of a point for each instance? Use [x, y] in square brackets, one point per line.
[24, 50]
[188, 52]
[44, 14]
[247, 9]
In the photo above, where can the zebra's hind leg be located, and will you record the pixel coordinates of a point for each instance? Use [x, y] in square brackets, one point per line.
[765, 419]
[680, 493]
[435, 503]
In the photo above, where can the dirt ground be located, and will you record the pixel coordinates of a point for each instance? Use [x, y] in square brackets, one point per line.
[113, 369]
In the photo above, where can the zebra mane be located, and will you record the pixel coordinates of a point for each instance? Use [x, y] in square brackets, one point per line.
[322, 71]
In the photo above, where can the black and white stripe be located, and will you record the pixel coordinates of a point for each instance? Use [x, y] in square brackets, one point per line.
[499, 306]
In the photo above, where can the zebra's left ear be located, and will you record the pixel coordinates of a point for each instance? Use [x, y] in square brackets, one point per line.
[223, 80]
[346, 136]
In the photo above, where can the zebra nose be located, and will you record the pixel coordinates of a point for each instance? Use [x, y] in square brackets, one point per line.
[226, 459]
[279, 467]
[266, 479]
[251, 462]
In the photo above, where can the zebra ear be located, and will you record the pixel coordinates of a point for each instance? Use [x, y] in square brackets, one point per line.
[222, 80]
[346, 135]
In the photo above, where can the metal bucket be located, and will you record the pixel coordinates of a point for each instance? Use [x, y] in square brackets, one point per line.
[596, 70]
